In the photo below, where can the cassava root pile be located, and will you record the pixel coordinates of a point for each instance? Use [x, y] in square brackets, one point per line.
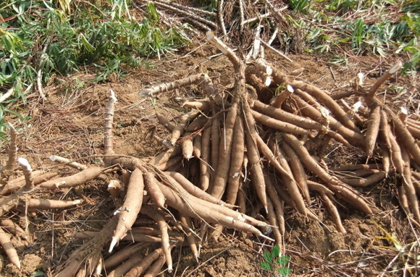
[237, 149]
[229, 152]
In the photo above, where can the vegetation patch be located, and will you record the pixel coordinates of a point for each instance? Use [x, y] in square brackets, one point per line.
[39, 40]
[256, 143]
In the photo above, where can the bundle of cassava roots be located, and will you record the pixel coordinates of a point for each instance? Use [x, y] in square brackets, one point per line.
[234, 156]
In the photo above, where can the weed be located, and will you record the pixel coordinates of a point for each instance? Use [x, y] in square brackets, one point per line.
[300, 5]
[59, 37]
[367, 27]
[271, 263]
[404, 254]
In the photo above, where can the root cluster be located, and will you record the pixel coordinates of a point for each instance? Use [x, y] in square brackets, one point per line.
[233, 155]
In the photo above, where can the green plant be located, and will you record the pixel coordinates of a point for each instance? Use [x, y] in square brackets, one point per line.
[271, 263]
[39, 39]
[300, 5]
[279, 88]
[403, 252]
[363, 27]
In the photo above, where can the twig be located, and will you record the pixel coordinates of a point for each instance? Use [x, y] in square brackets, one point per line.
[241, 15]
[6, 95]
[255, 18]
[27, 171]
[257, 43]
[198, 23]
[170, 86]
[186, 13]
[220, 16]
[395, 68]
[273, 36]
[192, 9]
[277, 51]
[12, 149]
[39, 74]
[224, 49]
[39, 84]
[108, 143]
[68, 162]
[283, 96]
[276, 12]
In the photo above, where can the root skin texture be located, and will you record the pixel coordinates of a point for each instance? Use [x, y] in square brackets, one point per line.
[141, 266]
[332, 209]
[224, 157]
[127, 214]
[163, 227]
[8, 247]
[404, 136]
[122, 255]
[257, 143]
[408, 186]
[298, 171]
[238, 146]
[205, 159]
[153, 189]
[350, 135]
[123, 268]
[372, 129]
[194, 208]
[74, 180]
[257, 175]
[282, 115]
[290, 182]
[337, 186]
[279, 125]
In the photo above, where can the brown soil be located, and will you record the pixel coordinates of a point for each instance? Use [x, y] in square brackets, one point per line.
[70, 124]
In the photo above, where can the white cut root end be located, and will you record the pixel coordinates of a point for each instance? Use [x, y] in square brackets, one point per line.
[113, 95]
[357, 106]
[361, 78]
[216, 42]
[24, 162]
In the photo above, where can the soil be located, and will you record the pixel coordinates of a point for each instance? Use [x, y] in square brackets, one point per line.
[70, 124]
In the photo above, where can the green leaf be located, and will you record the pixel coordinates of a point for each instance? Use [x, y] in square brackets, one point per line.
[284, 271]
[38, 274]
[151, 12]
[268, 257]
[275, 252]
[265, 266]
[283, 260]
[86, 43]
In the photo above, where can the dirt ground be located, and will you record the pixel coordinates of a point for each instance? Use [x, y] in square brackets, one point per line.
[70, 124]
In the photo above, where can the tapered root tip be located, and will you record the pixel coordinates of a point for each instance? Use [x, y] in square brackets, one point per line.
[188, 157]
[268, 238]
[113, 243]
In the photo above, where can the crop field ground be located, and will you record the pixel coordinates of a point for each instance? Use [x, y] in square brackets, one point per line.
[333, 85]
